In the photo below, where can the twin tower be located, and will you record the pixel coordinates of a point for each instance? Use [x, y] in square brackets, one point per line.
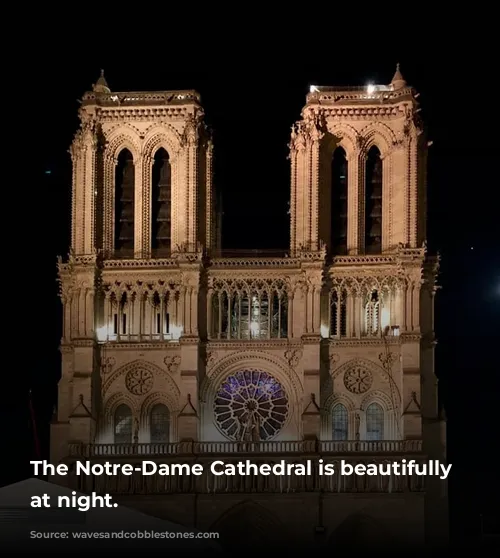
[143, 186]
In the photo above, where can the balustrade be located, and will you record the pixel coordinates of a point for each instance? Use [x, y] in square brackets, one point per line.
[292, 447]
[207, 482]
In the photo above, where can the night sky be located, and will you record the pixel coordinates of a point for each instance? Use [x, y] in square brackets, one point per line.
[251, 105]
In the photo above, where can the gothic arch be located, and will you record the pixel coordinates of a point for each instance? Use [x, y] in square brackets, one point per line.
[114, 401]
[120, 126]
[123, 140]
[380, 135]
[375, 369]
[350, 284]
[154, 399]
[250, 524]
[391, 282]
[266, 362]
[161, 136]
[335, 398]
[377, 396]
[347, 136]
[172, 388]
[369, 284]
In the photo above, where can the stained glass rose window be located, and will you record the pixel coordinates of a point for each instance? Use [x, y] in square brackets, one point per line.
[251, 405]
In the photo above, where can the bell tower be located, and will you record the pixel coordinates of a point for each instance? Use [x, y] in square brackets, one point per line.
[358, 197]
[141, 174]
[357, 181]
[141, 216]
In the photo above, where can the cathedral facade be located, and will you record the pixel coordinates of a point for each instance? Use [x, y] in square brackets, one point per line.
[174, 351]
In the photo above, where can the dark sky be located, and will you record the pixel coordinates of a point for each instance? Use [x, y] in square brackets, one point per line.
[252, 96]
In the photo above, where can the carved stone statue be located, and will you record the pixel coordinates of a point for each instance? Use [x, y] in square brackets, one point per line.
[251, 428]
[256, 428]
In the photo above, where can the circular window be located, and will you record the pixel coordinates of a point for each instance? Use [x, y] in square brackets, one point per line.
[251, 405]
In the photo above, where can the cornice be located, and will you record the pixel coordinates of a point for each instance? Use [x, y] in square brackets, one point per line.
[364, 342]
[145, 98]
[360, 101]
[83, 342]
[249, 345]
[152, 346]
[140, 263]
[410, 338]
[231, 263]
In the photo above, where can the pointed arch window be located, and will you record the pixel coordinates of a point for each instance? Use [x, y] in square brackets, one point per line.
[161, 204]
[374, 422]
[373, 202]
[372, 314]
[340, 422]
[123, 425]
[159, 424]
[124, 204]
[338, 314]
[339, 202]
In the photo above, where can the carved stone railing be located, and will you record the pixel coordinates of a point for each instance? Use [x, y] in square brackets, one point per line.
[126, 98]
[306, 453]
[382, 446]
[351, 94]
[284, 448]
[206, 482]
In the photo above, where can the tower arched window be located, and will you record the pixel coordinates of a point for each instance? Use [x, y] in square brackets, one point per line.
[161, 197]
[372, 314]
[339, 202]
[159, 424]
[123, 423]
[373, 202]
[340, 428]
[374, 422]
[124, 204]
[338, 314]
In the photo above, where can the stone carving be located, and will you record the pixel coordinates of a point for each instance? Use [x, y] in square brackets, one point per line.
[172, 363]
[139, 381]
[387, 359]
[358, 379]
[211, 358]
[107, 365]
[293, 357]
[249, 430]
[251, 405]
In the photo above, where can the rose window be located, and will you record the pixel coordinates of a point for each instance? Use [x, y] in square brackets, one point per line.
[139, 381]
[250, 405]
[358, 380]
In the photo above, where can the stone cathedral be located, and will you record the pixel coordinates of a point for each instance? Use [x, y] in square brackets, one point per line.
[174, 351]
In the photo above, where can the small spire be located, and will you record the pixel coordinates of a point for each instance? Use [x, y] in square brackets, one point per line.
[101, 86]
[398, 80]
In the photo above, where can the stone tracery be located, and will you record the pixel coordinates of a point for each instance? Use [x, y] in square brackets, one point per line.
[244, 308]
[251, 405]
[358, 379]
[139, 381]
